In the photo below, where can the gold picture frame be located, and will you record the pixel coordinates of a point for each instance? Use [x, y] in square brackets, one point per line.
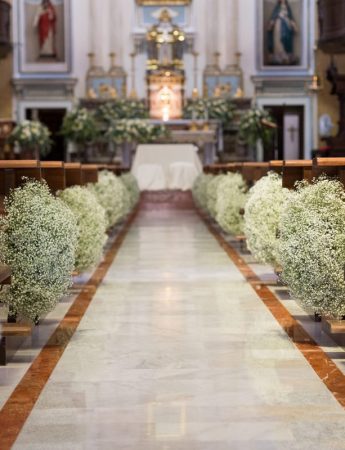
[163, 2]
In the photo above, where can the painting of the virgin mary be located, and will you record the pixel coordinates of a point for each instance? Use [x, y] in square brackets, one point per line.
[281, 35]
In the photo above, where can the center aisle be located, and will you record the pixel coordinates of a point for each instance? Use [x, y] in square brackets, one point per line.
[176, 352]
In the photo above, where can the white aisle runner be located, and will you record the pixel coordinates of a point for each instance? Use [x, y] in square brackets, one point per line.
[160, 167]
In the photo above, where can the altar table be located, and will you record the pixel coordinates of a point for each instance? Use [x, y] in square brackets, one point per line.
[159, 166]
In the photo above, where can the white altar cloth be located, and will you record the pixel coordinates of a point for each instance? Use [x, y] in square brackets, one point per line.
[166, 156]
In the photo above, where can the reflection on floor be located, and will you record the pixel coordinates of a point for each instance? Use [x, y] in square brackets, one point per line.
[177, 352]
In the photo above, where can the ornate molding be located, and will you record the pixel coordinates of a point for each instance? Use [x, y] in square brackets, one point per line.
[38, 89]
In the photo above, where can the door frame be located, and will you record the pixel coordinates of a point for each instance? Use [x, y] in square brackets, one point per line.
[309, 126]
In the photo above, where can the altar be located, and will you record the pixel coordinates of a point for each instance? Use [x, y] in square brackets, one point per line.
[160, 167]
[207, 138]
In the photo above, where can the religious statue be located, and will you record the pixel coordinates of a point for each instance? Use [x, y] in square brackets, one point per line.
[281, 33]
[45, 22]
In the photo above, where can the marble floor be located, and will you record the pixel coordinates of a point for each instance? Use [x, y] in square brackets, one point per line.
[177, 352]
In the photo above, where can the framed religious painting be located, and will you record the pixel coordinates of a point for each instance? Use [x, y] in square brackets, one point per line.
[285, 31]
[44, 28]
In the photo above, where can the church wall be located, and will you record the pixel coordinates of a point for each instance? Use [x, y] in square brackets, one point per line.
[5, 85]
[327, 103]
[112, 25]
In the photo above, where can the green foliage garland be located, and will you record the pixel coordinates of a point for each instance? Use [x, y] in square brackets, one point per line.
[38, 239]
[253, 128]
[92, 226]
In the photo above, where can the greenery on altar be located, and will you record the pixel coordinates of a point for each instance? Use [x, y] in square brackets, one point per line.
[257, 125]
[80, 126]
[263, 210]
[210, 108]
[122, 109]
[133, 130]
[32, 136]
[232, 196]
[312, 246]
[91, 223]
[112, 195]
[38, 237]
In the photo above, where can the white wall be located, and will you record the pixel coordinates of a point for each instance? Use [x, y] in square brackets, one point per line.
[109, 25]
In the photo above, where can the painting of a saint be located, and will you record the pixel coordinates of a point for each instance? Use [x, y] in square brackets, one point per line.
[281, 34]
[46, 24]
[284, 35]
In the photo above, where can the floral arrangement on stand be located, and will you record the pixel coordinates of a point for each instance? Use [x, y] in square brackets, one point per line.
[312, 246]
[32, 137]
[122, 109]
[92, 226]
[210, 108]
[232, 196]
[199, 190]
[80, 127]
[262, 217]
[112, 195]
[134, 130]
[129, 180]
[38, 237]
[257, 126]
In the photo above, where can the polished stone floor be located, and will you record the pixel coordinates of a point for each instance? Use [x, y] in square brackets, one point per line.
[176, 352]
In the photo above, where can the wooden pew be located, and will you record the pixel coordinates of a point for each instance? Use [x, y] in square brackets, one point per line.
[114, 168]
[218, 169]
[11, 330]
[12, 173]
[89, 173]
[276, 166]
[254, 171]
[332, 167]
[296, 170]
[73, 174]
[54, 174]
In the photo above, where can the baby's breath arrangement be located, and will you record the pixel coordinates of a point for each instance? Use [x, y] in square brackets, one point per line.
[312, 246]
[131, 184]
[122, 109]
[112, 195]
[199, 190]
[133, 130]
[262, 216]
[231, 199]
[38, 238]
[92, 226]
[210, 108]
[212, 194]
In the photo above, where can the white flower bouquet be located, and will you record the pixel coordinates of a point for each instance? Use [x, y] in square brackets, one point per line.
[210, 108]
[112, 195]
[122, 109]
[253, 127]
[312, 246]
[92, 226]
[262, 217]
[231, 199]
[32, 135]
[79, 126]
[38, 237]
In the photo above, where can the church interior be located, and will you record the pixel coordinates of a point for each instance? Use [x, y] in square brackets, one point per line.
[172, 224]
